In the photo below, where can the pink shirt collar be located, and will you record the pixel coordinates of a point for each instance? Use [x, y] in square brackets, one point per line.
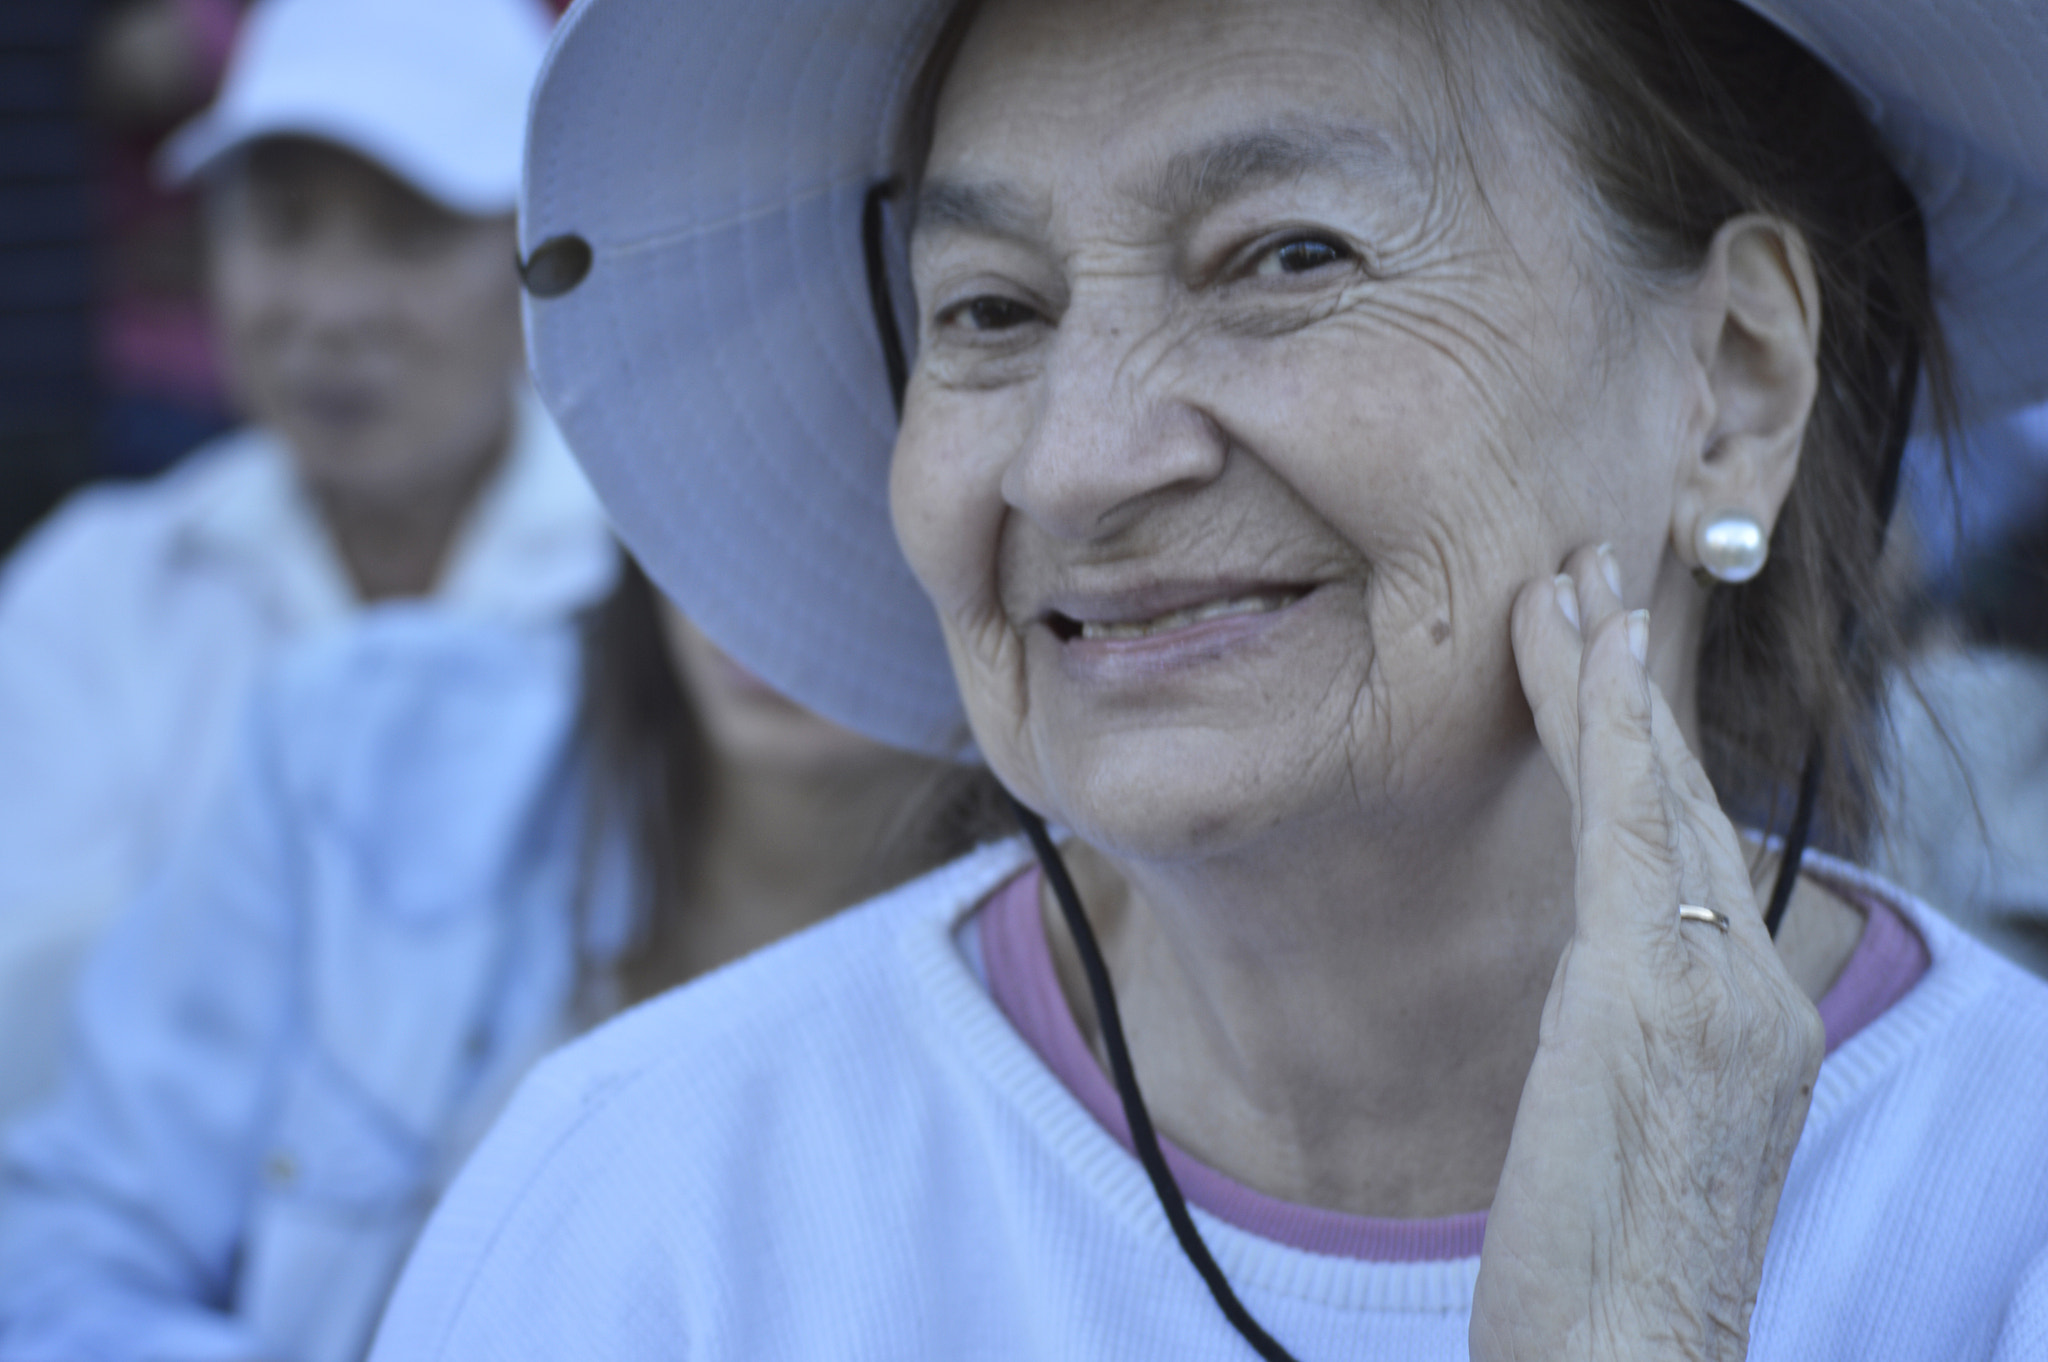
[1888, 960]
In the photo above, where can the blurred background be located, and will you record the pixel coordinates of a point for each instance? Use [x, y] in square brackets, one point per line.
[107, 369]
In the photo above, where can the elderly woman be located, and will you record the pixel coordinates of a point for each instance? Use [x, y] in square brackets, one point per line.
[1356, 455]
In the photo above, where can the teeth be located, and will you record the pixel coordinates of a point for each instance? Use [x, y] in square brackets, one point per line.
[1181, 619]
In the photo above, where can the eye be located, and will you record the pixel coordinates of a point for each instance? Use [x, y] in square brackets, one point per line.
[279, 220]
[988, 312]
[410, 243]
[1301, 255]
[402, 233]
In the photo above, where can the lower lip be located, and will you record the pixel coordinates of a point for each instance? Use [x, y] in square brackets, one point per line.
[1174, 650]
[337, 409]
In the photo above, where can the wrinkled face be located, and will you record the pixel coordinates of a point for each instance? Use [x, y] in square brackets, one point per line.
[1248, 392]
[376, 332]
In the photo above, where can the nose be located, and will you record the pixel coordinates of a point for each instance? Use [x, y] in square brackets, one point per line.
[1110, 434]
[339, 294]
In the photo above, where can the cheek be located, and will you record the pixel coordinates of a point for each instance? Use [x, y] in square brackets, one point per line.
[945, 496]
[455, 341]
[1447, 489]
[1458, 427]
[464, 318]
[246, 296]
[1391, 445]
[248, 312]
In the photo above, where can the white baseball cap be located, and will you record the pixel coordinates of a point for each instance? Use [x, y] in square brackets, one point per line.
[434, 91]
[700, 320]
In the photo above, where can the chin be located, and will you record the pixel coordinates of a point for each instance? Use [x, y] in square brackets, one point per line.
[346, 462]
[1188, 800]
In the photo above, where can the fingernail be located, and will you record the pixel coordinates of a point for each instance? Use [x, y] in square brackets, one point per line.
[1567, 598]
[1610, 569]
[1639, 635]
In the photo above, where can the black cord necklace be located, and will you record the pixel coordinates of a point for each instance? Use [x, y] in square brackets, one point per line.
[1140, 1120]
[1796, 833]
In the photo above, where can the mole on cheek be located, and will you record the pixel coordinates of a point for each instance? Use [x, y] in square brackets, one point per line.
[1439, 630]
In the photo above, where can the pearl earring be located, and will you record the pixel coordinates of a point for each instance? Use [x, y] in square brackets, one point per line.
[1731, 546]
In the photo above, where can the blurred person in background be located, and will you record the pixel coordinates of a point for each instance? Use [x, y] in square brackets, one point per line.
[358, 174]
[444, 849]
[1969, 785]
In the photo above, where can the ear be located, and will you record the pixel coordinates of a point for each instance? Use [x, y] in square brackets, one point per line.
[1756, 340]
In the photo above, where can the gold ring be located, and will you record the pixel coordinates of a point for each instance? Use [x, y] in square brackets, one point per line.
[1693, 912]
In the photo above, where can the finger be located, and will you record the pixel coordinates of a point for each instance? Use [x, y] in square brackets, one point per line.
[1628, 864]
[1548, 631]
[1689, 795]
[1597, 573]
[1704, 850]
[1715, 848]
[1547, 654]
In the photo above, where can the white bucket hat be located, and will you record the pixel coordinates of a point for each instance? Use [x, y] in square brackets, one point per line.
[434, 91]
[700, 323]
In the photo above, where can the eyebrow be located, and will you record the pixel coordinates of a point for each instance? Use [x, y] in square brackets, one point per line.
[1195, 182]
[978, 208]
[1190, 183]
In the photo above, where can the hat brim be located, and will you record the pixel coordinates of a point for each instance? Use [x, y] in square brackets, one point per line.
[205, 141]
[718, 370]
[1959, 95]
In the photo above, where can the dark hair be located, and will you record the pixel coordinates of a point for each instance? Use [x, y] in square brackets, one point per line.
[1683, 115]
[648, 768]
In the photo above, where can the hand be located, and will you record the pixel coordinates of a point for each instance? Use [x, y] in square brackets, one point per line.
[1675, 1062]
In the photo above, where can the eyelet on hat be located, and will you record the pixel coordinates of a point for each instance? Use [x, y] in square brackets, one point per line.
[556, 265]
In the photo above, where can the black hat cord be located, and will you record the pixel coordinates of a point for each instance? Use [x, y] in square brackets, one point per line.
[1800, 829]
[1144, 1138]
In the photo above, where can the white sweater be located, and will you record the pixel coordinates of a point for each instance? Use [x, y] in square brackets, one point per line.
[840, 1148]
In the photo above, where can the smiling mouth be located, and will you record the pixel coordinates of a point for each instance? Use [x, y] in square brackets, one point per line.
[1067, 629]
[336, 408]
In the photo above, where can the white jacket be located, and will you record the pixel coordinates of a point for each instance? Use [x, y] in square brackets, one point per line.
[285, 1047]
